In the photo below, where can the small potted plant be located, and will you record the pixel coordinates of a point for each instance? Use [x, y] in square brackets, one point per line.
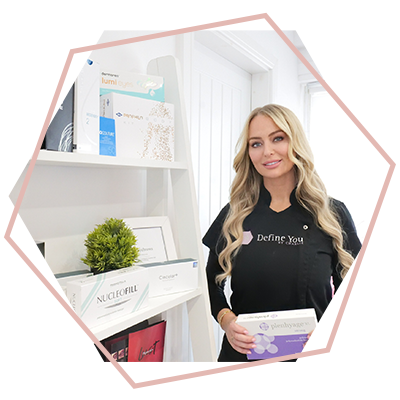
[110, 246]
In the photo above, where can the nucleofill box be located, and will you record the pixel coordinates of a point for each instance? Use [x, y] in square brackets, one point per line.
[132, 84]
[278, 333]
[143, 128]
[172, 276]
[64, 277]
[104, 297]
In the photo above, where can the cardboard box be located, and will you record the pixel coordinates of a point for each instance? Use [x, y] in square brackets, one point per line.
[86, 116]
[172, 276]
[132, 84]
[278, 333]
[104, 297]
[144, 128]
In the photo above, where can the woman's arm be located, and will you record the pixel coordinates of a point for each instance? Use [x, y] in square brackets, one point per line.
[216, 292]
[237, 335]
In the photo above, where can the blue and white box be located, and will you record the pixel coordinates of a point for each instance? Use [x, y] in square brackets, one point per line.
[104, 297]
[107, 137]
[278, 333]
[132, 84]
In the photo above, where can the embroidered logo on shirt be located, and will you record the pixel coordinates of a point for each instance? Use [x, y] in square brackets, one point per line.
[281, 239]
[272, 237]
[247, 237]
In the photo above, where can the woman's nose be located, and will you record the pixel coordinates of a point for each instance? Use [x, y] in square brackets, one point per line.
[268, 150]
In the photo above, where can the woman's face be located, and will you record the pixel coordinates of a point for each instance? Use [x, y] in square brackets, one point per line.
[268, 151]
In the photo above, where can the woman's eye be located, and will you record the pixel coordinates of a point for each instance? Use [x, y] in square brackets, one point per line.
[278, 138]
[255, 144]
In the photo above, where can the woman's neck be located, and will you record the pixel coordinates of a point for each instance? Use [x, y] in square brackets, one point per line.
[280, 192]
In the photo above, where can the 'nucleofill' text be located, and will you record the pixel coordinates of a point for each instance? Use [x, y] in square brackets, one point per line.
[117, 294]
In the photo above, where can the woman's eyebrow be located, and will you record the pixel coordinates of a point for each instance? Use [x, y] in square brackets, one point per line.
[270, 134]
[273, 133]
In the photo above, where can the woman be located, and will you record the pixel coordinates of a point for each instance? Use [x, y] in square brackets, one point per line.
[281, 239]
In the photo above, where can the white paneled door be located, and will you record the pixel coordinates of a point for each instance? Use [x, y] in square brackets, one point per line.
[220, 104]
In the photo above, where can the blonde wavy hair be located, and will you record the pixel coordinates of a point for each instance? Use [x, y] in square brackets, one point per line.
[310, 192]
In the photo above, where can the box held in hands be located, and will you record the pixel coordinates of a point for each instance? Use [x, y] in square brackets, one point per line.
[279, 333]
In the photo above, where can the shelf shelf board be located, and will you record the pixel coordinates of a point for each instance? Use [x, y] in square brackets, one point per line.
[58, 158]
[156, 306]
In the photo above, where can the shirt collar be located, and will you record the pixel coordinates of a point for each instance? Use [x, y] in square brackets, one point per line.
[265, 196]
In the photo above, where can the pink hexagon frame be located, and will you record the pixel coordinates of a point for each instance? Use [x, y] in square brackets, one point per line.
[328, 89]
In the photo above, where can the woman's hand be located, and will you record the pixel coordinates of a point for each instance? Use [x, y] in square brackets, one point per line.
[308, 337]
[237, 336]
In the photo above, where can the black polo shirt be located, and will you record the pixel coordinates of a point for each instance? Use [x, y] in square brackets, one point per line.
[285, 261]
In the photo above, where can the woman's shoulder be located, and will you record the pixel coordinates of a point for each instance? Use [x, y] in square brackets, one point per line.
[212, 236]
[343, 214]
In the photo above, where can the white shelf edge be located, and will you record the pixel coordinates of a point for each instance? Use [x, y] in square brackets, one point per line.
[156, 305]
[58, 158]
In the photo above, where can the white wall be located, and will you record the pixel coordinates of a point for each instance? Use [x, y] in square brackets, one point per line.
[134, 56]
[286, 89]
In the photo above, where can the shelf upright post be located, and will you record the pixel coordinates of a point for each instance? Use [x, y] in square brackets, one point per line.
[186, 216]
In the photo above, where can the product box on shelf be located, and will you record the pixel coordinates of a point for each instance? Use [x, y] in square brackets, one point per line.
[132, 84]
[107, 137]
[172, 276]
[86, 117]
[279, 333]
[104, 297]
[64, 277]
[144, 128]
[59, 135]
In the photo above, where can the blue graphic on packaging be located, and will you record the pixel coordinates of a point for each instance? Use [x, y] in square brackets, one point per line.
[107, 137]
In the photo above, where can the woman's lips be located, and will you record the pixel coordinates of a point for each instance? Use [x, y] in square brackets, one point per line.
[272, 164]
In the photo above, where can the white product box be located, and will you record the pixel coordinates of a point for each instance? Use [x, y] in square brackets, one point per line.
[278, 333]
[104, 297]
[63, 278]
[172, 276]
[133, 84]
[144, 128]
[86, 115]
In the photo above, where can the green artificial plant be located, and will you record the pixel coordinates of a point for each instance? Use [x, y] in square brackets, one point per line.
[110, 246]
